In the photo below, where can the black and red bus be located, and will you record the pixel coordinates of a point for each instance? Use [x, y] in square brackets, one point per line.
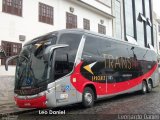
[72, 66]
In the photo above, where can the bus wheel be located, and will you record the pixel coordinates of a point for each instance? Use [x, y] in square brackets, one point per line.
[149, 87]
[144, 87]
[88, 97]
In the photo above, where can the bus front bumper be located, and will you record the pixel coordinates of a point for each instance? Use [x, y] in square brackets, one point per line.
[39, 102]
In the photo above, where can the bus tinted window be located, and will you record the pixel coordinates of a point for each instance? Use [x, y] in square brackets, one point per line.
[65, 57]
[91, 49]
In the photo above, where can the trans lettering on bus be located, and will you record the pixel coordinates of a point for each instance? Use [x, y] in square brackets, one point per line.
[120, 62]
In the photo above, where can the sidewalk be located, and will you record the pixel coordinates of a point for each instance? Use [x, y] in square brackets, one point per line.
[6, 89]
[11, 108]
[7, 104]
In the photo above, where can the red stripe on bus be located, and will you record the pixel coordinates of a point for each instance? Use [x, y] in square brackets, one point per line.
[31, 103]
[109, 88]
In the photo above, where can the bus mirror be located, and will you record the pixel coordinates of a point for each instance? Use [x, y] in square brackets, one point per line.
[9, 59]
[49, 51]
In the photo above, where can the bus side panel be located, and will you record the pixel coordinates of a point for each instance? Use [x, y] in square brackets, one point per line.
[51, 101]
[152, 57]
[113, 67]
[155, 78]
[65, 92]
[136, 88]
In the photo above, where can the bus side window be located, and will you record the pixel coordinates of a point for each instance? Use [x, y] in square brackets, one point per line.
[61, 63]
[105, 47]
[65, 57]
[91, 49]
[86, 57]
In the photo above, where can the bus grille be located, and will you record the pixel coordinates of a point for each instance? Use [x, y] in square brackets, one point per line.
[31, 91]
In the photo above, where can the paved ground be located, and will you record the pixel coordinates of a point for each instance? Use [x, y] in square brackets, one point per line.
[109, 109]
[6, 94]
[113, 108]
[7, 104]
[6, 89]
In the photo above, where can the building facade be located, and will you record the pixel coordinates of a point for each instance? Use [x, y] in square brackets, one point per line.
[22, 20]
[156, 31]
[134, 21]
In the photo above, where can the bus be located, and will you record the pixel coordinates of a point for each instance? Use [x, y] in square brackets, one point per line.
[77, 66]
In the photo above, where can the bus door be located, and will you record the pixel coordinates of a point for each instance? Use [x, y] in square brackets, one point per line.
[63, 67]
[64, 93]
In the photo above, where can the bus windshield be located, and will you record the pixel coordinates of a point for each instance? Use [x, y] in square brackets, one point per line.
[32, 70]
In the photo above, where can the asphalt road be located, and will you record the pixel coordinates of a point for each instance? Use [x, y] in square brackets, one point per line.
[120, 107]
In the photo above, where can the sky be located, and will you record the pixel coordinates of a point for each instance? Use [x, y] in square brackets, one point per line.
[156, 6]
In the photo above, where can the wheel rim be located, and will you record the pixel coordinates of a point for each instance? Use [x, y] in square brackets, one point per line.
[88, 98]
[149, 85]
[144, 87]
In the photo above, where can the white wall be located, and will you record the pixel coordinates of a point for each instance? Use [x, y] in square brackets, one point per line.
[99, 6]
[156, 20]
[11, 26]
[158, 40]
[81, 13]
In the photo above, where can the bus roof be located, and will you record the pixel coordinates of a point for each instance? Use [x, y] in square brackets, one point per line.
[100, 35]
[82, 31]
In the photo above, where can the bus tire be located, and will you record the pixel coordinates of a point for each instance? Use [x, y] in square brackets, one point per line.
[88, 97]
[149, 86]
[144, 87]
